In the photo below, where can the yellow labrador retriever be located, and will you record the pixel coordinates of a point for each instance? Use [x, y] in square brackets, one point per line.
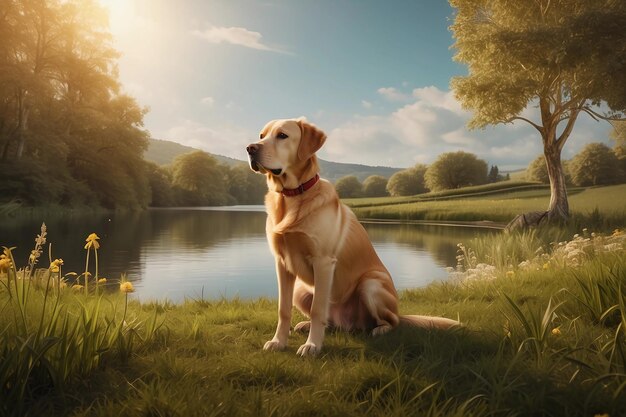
[325, 262]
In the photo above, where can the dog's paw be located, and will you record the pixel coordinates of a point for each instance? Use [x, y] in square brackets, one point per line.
[303, 327]
[273, 345]
[380, 330]
[308, 349]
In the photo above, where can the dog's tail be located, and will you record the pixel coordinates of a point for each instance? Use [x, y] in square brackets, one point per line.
[429, 322]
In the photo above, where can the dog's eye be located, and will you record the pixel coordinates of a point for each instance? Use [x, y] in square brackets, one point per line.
[281, 135]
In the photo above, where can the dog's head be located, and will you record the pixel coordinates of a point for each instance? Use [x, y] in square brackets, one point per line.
[286, 152]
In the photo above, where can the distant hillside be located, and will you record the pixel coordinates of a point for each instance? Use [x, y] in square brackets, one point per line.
[163, 152]
[332, 171]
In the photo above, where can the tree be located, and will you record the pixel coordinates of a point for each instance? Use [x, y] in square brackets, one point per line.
[564, 56]
[375, 186]
[596, 164]
[455, 170]
[200, 179]
[349, 187]
[162, 194]
[619, 136]
[538, 171]
[494, 174]
[408, 181]
[246, 186]
[61, 110]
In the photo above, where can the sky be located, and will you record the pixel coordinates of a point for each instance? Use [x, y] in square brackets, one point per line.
[374, 75]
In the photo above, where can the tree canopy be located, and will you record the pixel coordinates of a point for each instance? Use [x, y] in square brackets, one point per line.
[349, 187]
[564, 56]
[408, 181]
[375, 186]
[455, 170]
[67, 133]
[596, 164]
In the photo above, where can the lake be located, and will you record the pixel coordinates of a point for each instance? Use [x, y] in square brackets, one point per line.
[215, 252]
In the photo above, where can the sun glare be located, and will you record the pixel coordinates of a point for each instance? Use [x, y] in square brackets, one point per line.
[121, 14]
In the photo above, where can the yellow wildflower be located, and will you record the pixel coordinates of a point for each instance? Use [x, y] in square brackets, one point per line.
[127, 287]
[77, 287]
[92, 241]
[510, 274]
[102, 281]
[5, 263]
[556, 331]
[55, 265]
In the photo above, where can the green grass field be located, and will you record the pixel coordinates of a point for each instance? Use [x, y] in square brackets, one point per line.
[542, 337]
[604, 207]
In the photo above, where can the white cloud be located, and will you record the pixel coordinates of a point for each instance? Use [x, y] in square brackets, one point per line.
[392, 94]
[226, 139]
[235, 36]
[209, 101]
[434, 122]
[366, 104]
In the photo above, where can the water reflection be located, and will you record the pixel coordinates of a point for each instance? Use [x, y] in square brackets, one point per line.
[177, 253]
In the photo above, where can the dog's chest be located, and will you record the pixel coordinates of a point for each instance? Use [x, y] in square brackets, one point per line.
[295, 251]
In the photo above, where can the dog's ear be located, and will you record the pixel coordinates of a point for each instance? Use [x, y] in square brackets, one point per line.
[311, 140]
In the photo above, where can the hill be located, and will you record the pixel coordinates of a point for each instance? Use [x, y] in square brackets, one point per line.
[163, 152]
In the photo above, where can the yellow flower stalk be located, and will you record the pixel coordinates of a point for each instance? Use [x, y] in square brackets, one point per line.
[92, 243]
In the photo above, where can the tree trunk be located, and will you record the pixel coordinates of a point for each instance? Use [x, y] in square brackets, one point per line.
[21, 132]
[559, 207]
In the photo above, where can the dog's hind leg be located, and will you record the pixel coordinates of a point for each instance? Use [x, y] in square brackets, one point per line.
[380, 302]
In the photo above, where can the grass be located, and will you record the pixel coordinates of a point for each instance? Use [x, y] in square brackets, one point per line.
[602, 208]
[545, 334]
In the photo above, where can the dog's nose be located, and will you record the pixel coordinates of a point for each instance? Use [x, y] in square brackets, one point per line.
[252, 148]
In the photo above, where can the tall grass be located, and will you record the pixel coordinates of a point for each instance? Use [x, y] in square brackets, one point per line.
[53, 335]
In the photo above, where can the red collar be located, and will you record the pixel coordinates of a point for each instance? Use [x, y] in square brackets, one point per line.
[291, 192]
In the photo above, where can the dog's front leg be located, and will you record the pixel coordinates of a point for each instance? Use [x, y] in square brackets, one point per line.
[324, 271]
[286, 282]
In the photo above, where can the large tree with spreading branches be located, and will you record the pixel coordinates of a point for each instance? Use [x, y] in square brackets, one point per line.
[556, 59]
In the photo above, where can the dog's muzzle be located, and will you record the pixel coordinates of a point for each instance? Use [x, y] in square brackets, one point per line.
[253, 153]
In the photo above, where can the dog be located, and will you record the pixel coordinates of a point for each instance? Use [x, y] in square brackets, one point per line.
[325, 262]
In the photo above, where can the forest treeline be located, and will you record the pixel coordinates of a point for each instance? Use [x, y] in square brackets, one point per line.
[595, 164]
[70, 136]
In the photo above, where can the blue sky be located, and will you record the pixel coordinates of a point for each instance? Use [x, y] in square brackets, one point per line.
[373, 74]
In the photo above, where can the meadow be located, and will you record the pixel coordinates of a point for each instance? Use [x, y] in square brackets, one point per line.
[544, 334]
[601, 208]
